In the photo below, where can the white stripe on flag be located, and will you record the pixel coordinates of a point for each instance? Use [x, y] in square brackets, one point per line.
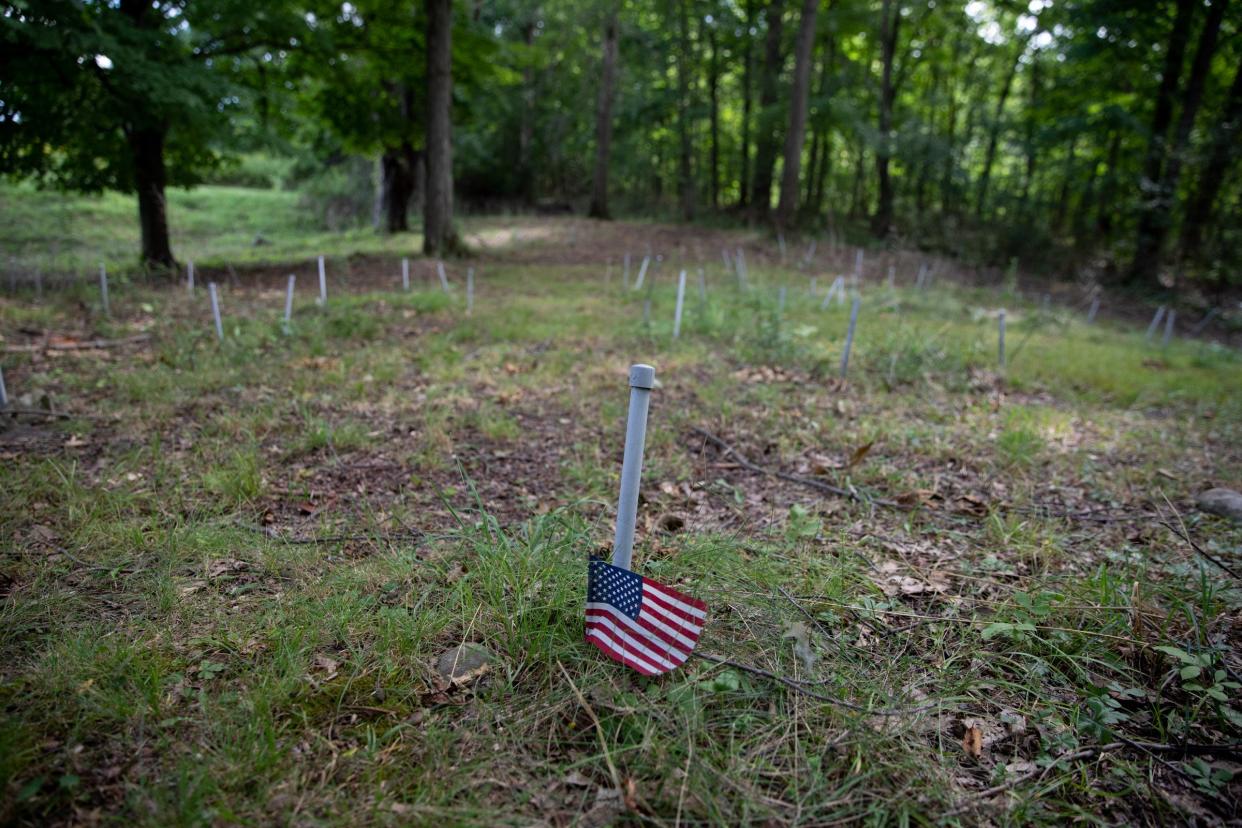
[612, 646]
[634, 645]
[689, 626]
[674, 600]
[655, 622]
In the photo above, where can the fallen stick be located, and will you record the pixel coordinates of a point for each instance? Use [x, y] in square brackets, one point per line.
[794, 478]
[89, 345]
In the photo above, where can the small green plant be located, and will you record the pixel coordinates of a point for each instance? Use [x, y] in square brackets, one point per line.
[237, 480]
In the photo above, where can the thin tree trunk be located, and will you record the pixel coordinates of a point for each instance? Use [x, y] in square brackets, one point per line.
[1224, 142]
[890, 21]
[396, 186]
[713, 92]
[1029, 147]
[685, 179]
[748, 85]
[796, 135]
[812, 169]
[1108, 192]
[1156, 218]
[603, 121]
[526, 126]
[823, 130]
[858, 204]
[769, 96]
[146, 145]
[1067, 181]
[994, 133]
[439, 237]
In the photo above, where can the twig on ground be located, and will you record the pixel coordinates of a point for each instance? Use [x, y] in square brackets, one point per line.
[377, 537]
[801, 687]
[47, 414]
[86, 345]
[1085, 753]
[1184, 534]
[728, 450]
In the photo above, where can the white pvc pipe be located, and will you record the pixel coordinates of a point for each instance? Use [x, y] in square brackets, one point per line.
[642, 273]
[443, 276]
[1155, 322]
[189, 277]
[642, 379]
[681, 299]
[849, 337]
[289, 298]
[215, 310]
[1000, 339]
[405, 274]
[103, 290]
[323, 284]
[4, 392]
[469, 291]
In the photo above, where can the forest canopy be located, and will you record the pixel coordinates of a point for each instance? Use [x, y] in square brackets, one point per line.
[1069, 134]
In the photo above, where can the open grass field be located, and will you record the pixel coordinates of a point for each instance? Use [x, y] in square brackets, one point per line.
[983, 597]
[70, 234]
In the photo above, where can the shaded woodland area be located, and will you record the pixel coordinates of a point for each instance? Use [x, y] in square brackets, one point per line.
[1073, 135]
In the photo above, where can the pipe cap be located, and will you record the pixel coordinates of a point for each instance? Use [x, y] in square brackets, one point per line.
[642, 376]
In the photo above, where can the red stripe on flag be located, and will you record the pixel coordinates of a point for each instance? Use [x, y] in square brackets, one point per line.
[639, 645]
[602, 637]
[669, 592]
[652, 595]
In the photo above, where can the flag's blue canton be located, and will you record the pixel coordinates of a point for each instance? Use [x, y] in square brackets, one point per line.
[608, 584]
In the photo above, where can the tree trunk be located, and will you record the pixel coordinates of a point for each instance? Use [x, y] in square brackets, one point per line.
[684, 179]
[769, 95]
[890, 21]
[603, 121]
[1029, 146]
[147, 147]
[526, 123]
[794, 138]
[994, 132]
[748, 85]
[858, 199]
[713, 94]
[1156, 217]
[439, 237]
[1224, 141]
[812, 169]
[1107, 201]
[397, 186]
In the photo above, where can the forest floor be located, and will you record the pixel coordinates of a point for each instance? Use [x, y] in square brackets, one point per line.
[228, 569]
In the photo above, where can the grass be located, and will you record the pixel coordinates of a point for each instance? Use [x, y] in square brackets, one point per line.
[211, 226]
[227, 580]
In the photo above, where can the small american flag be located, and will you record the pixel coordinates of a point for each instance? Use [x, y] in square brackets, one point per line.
[639, 622]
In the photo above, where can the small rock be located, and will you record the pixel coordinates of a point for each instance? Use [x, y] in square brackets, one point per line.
[464, 663]
[1224, 502]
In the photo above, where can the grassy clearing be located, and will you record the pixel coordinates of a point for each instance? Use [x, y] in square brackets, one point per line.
[169, 656]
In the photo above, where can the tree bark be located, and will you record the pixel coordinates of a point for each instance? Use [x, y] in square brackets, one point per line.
[439, 237]
[994, 132]
[713, 95]
[748, 63]
[685, 180]
[146, 144]
[769, 95]
[397, 186]
[1224, 141]
[882, 220]
[603, 121]
[796, 135]
[1156, 217]
[526, 126]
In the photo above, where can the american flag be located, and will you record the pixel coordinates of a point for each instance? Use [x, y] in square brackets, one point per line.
[639, 622]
